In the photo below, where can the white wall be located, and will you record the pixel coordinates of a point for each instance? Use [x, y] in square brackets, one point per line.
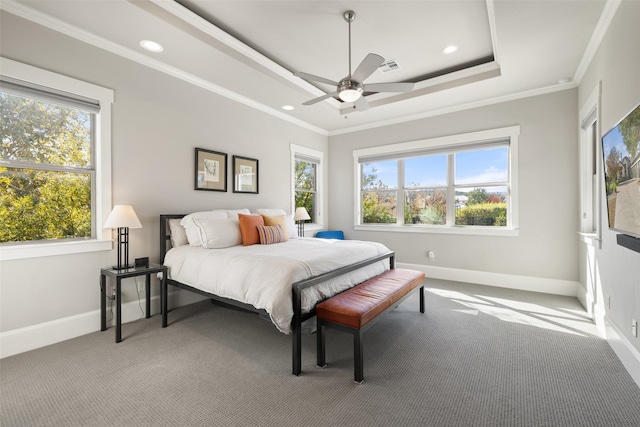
[617, 269]
[547, 246]
[157, 122]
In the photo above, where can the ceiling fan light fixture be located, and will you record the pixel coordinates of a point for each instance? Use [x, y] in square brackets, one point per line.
[350, 95]
[349, 90]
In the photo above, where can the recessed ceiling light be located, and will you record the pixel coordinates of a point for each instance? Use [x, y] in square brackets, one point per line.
[151, 46]
[288, 107]
[449, 49]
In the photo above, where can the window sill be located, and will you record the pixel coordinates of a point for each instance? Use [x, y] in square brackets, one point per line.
[37, 250]
[484, 231]
[591, 239]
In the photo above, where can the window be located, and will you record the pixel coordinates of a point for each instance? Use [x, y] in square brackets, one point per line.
[52, 167]
[459, 184]
[307, 181]
[590, 169]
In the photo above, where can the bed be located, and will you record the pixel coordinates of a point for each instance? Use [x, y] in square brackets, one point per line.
[281, 282]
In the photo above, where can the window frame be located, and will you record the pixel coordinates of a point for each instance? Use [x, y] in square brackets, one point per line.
[299, 152]
[591, 169]
[101, 194]
[442, 144]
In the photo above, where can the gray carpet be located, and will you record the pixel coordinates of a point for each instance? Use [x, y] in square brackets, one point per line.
[479, 356]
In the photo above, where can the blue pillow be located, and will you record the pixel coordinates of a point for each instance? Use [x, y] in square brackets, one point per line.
[335, 234]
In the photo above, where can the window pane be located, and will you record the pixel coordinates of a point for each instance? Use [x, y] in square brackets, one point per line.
[44, 205]
[482, 166]
[379, 207]
[380, 175]
[305, 175]
[307, 200]
[485, 206]
[425, 207]
[305, 194]
[426, 171]
[39, 132]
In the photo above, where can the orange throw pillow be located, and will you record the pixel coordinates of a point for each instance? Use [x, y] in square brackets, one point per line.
[249, 228]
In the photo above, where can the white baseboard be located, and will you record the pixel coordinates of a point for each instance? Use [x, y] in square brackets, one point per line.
[31, 337]
[523, 283]
[585, 299]
[627, 353]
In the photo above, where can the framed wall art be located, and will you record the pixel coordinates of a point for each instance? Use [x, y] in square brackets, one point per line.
[245, 175]
[211, 170]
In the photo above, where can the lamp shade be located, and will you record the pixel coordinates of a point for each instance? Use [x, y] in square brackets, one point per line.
[301, 214]
[122, 216]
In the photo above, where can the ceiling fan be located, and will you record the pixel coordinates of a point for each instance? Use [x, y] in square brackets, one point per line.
[352, 87]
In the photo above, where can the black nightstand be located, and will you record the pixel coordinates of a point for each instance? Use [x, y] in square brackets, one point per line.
[123, 274]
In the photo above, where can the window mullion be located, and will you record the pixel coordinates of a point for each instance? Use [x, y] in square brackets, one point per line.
[451, 193]
[43, 166]
[401, 193]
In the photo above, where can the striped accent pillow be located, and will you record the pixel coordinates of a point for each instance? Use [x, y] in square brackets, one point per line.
[270, 234]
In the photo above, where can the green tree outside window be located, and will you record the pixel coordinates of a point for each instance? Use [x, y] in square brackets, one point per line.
[45, 175]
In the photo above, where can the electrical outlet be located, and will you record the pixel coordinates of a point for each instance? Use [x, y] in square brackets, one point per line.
[431, 255]
[634, 328]
[140, 285]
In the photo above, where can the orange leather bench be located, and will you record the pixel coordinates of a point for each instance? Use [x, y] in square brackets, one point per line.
[358, 308]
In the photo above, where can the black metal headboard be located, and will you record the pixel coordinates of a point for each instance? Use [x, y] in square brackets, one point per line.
[165, 233]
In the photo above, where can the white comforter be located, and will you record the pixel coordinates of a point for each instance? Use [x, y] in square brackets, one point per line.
[262, 275]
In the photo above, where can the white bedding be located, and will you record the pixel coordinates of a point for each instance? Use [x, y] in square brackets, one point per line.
[262, 275]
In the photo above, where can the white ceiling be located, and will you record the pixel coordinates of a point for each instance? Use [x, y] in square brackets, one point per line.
[247, 50]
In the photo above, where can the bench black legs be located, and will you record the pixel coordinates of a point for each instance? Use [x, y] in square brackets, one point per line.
[320, 351]
[358, 363]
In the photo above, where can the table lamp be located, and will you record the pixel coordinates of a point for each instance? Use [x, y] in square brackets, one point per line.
[123, 217]
[300, 217]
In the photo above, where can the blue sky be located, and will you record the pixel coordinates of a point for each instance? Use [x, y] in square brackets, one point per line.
[478, 166]
[613, 139]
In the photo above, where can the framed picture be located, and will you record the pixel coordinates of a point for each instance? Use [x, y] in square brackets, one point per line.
[245, 175]
[211, 170]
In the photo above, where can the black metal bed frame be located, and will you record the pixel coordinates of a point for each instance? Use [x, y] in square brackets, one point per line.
[297, 288]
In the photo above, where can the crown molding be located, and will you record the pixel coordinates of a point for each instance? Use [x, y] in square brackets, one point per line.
[609, 11]
[457, 108]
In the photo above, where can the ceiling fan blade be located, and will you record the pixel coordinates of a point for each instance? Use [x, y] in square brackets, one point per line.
[388, 87]
[368, 65]
[361, 104]
[320, 98]
[307, 76]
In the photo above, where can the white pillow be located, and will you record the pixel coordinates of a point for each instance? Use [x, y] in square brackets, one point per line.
[233, 213]
[178, 233]
[218, 233]
[270, 212]
[292, 230]
[193, 232]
